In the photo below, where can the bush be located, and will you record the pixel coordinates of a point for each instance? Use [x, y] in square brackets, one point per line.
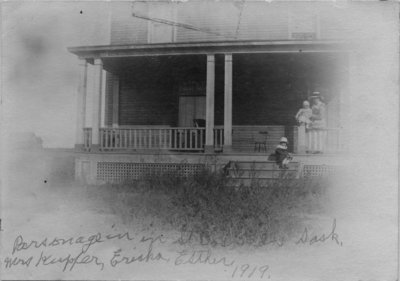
[209, 210]
[220, 214]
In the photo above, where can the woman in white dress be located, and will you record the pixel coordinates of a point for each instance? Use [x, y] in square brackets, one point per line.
[317, 130]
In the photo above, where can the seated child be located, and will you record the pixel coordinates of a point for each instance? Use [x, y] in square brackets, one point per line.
[282, 155]
[304, 114]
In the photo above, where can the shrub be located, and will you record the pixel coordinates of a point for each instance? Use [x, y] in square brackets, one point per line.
[257, 214]
[209, 210]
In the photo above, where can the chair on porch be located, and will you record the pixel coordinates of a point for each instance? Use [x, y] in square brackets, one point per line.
[260, 140]
[199, 123]
[201, 138]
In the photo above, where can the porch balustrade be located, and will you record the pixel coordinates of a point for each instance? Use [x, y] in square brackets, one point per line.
[329, 140]
[181, 139]
[177, 139]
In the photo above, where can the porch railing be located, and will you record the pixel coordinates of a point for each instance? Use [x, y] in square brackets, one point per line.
[180, 139]
[328, 140]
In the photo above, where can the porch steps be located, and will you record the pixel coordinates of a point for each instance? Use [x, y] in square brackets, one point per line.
[260, 172]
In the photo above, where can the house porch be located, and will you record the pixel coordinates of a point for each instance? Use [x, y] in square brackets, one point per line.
[147, 97]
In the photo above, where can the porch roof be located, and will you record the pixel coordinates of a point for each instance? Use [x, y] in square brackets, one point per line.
[193, 48]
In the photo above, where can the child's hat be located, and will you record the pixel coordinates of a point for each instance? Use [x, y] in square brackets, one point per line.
[283, 139]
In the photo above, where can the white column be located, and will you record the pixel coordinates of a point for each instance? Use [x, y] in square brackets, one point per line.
[97, 92]
[103, 99]
[228, 104]
[115, 93]
[210, 88]
[301, 139]
[81, 103]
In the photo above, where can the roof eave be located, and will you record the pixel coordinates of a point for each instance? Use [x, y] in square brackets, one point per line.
[103, 51]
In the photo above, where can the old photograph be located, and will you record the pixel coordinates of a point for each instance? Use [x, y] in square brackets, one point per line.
[199, 140]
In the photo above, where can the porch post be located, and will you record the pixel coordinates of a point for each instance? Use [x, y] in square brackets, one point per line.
[228, 104]
[97, 92]
[301, 139]
[81, 104]
[210, 88]
[115, 93]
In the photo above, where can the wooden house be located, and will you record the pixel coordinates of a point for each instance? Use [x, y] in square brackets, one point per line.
[188, 84]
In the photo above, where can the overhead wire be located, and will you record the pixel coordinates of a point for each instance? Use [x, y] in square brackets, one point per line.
[179, 24]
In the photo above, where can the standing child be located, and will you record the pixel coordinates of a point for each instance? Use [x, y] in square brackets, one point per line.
[283, 157]
[304, 115]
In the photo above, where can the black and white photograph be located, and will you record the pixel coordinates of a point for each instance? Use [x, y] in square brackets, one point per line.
[199, 140]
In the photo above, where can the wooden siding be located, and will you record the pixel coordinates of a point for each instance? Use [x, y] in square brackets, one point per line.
[146, 104]
[215, 21]
[270, 89]
[243, 137]
[267, 89]
[150, 88]
[126, 29]
[257, 20]
[266, 21]
[158, 32]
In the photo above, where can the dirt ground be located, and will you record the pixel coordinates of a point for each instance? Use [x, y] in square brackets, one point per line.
[52, 229]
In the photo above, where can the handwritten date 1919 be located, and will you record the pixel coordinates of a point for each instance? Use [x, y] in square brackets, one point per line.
[248, 271]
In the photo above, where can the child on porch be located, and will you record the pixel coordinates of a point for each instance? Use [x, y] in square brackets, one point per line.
[282, 155]
[304, 114]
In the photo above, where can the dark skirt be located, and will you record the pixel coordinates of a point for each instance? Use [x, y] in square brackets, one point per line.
[280, 155]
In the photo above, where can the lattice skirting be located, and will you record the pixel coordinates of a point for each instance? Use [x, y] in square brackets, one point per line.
[112, 172]
[318, 170]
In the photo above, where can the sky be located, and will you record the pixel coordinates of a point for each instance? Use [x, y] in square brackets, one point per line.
[40, 77]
